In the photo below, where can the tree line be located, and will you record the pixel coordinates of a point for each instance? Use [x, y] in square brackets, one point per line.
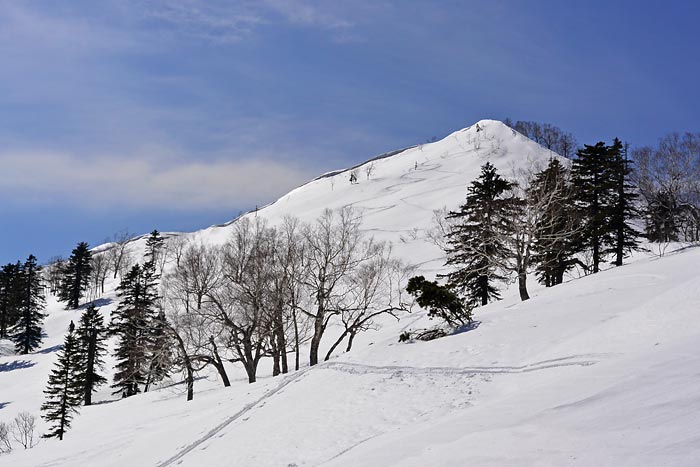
[551, 220]
[268, 291]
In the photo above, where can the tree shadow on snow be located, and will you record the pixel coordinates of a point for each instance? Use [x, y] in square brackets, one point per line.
[467, 327]
[100, 302]
[16, 365]
[55, 348]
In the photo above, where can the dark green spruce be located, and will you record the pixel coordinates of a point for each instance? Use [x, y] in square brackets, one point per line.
[478, 245]
[92, 335]
[76, 276]
[64, 392]
[27, 333]
[132, 322]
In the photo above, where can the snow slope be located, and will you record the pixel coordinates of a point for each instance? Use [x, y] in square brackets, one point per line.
[600, 370]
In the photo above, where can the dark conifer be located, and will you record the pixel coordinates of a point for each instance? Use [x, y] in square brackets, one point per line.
[76, 276]
[595, 188]
[64, 392]
[439, 300]
[159, 352]
[478, 245]
[154, 250]
[623, 209]
[92, 334]
[27, 332]
[10, 297]
[132, 322]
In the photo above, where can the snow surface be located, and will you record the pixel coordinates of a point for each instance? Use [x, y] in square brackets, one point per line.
[601, 370]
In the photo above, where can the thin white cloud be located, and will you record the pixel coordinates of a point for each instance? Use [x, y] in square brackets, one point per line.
[151, 183]
[308, 13]
[227, 21]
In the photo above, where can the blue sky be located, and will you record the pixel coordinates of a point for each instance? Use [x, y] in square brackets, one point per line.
[175, 115]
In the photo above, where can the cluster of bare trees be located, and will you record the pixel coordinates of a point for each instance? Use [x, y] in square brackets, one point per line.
[548, 135]
[270, 291]
[668, 177]
[22, 431]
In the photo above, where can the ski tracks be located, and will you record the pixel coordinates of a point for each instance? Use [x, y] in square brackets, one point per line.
[217, 429]
[574, 360]
[360, 369]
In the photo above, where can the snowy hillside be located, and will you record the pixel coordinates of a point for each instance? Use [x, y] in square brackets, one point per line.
[600, 370]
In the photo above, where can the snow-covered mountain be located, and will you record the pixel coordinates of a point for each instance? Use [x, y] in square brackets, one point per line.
[599, 370]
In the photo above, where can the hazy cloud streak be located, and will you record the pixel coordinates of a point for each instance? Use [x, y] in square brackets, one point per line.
[127, 183]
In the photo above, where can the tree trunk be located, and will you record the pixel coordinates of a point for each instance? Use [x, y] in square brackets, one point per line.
[275, 356]
[249, 362]
[189, 380]
[296, 341]
[351, 340]
[90, 370]
[522, 285]
[282, 347]
[189, 375]
[219, 364]
[484, 282]
[316, 339]
[336, 344]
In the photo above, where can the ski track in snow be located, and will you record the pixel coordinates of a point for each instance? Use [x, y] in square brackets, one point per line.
[217, 429]
[357, 368]
[360, 369]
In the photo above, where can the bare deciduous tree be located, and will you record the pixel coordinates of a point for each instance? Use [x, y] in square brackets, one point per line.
[240, 301]
[369, 170]
[375, 288]
[100, 269]
[185, 290]
[668, 177]
[119, 252]
[24, 429]
[5, 443]
[54, 273]
[176, 247]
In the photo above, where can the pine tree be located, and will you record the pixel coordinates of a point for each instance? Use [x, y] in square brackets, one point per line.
[76, 275]
[478, 244]
[623, 208]
[595, 186]
[27, 332]
[159, 351]
[557, 227]
[64, 392]
[92, 334]
[154, 250]
[10, 297]
[439, 300]
[132, 321]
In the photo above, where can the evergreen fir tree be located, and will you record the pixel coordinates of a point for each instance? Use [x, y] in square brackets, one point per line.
[10, 297]
[159, 352]
[439, 300]
[64, 392]
[623, 208]
[478, 245]
[92, 334]
[132, 321]
[76, 275]
[595, 187]
[27, 331]
[556, 230]
[154, 250]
